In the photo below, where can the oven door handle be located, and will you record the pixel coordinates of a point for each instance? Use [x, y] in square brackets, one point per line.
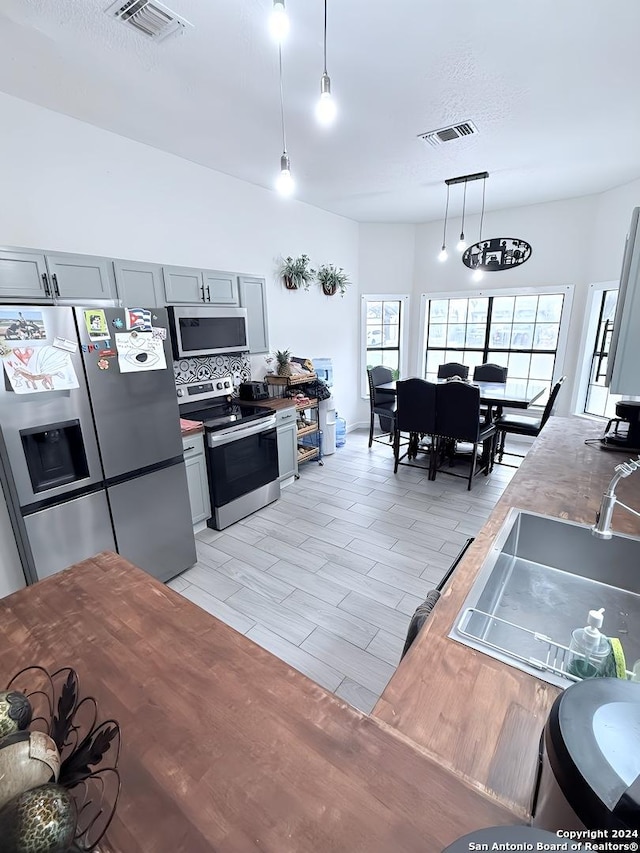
[226, 436]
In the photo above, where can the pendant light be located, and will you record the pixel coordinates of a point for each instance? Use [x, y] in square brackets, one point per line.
[462, 243]
[279, 21]
[478, 274]
[326, 106]
[443, 251]
[284, 183]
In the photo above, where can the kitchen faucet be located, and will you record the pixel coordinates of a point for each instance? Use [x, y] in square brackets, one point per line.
[602, 527]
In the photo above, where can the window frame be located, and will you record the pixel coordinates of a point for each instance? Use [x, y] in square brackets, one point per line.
[589, 328]
[563, 332]
[403, 340]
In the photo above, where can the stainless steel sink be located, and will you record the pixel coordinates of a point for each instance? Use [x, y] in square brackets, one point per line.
[539, 582]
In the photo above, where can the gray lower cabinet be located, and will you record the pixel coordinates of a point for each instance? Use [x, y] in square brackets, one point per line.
[23, 276]
[253, 297]
[81, 277]
[220, 287]
[196, 465]
[287, 432]
[139, 285]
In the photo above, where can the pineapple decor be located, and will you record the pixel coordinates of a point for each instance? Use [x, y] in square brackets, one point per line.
[284, 365]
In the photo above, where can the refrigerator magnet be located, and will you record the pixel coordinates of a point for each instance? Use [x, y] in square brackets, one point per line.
[96, 323]
[117, 323]
[103, 363]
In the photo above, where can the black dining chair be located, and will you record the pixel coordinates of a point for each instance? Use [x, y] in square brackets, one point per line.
[451, 369]
[381, 403]
[489, 373]
[524, 424]
[416, 416]
[458, 420]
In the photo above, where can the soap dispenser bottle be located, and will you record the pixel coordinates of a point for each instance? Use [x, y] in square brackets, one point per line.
[589, 648]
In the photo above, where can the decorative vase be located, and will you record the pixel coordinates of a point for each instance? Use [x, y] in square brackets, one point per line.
[329, 289]
[289, 282]
[15, 712]
[27, 759]
[42, 820]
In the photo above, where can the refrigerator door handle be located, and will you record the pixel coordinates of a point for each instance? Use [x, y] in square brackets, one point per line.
[45, 283]
[56, 289]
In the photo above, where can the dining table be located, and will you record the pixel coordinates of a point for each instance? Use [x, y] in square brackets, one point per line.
[513, 394]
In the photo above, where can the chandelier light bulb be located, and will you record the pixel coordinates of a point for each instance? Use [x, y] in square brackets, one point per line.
[478, 275]
[285, 183]
[326, 107]
[443, 255]
[279, 21]
[462, 243]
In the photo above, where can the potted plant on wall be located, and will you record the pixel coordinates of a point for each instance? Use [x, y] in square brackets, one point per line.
[296, 272]
[333, 279]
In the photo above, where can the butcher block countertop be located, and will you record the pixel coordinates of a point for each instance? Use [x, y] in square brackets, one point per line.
[188, 428]
[472, 713]
[225, 747]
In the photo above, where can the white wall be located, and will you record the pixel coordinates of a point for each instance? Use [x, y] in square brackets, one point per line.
[575, 241]
[69, 186]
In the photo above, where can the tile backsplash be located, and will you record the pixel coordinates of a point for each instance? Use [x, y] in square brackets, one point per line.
[238, 366]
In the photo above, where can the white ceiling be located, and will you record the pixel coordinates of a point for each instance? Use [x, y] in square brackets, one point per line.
[552, 87]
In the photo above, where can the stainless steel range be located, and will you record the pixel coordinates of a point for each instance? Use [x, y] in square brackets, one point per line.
[241, 449]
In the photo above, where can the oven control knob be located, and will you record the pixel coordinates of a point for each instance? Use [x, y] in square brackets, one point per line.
[180, 392]
[227, 384]
[219, 386]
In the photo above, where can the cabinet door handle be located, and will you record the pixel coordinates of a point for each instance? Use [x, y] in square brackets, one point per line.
[193, 447]
[208, 294]
[56, 289]
[202, 291]
[45, 283]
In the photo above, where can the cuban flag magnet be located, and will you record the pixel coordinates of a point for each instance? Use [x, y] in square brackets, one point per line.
[138, 319]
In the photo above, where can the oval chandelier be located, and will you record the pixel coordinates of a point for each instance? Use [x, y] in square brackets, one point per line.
[492, 255]
[499, 253]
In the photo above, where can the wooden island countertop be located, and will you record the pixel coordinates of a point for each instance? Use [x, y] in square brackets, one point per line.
[472, 713]
[225, 747]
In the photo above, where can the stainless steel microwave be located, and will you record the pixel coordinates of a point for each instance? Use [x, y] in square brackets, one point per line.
[207, 330]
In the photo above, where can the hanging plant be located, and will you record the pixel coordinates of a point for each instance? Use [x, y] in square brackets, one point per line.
[332, 279]
[296, 272]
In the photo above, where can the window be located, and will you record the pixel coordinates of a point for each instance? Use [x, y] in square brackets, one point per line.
[598, 401]
[383, 332]
[518, 330]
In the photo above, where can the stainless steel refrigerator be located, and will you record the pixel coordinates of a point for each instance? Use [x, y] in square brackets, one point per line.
[90, 446]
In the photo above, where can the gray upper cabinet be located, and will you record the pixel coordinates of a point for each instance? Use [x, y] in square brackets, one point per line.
[139, 285]
[220, 287]
[253, 297]
[23, 276]
[78, 277]
[182, 284]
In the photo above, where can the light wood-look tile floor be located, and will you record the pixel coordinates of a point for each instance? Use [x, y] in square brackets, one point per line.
[328, 577]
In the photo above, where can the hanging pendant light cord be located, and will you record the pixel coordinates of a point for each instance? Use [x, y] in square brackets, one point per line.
[446, 214]
[325, 36]
[484, 186]
[284, 138]
[464, 204]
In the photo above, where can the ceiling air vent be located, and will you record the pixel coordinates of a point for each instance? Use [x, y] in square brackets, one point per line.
[148, 17]
[448, 134]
